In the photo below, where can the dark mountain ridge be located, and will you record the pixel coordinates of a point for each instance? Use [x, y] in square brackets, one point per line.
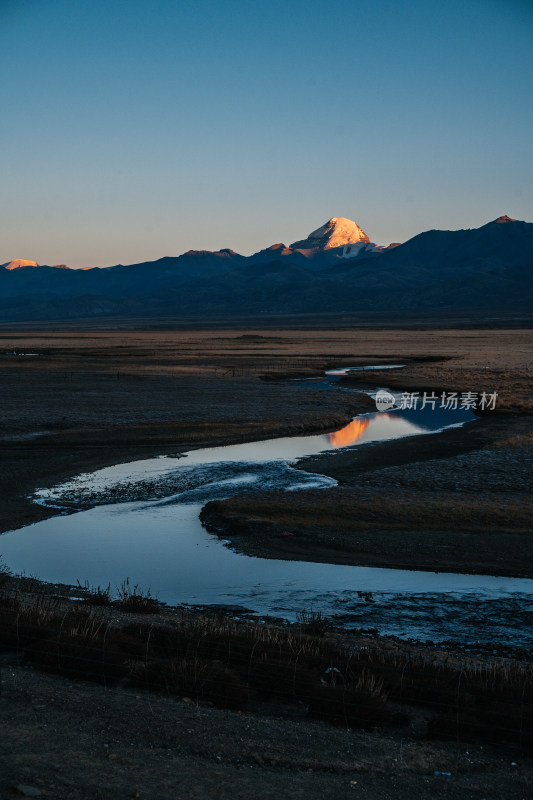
[490, 267]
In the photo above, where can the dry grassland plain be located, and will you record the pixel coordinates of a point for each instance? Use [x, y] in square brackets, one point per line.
[89, 399]
[456, 500]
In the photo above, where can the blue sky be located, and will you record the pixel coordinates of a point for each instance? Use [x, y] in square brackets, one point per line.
[137, 129]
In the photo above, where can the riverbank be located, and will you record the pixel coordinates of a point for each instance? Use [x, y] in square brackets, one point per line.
[52, 431]
[100, 701]
[96, 401]
[457, 501]
[88, 401]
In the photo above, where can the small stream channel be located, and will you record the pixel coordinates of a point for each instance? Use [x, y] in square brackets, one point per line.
[141, 521]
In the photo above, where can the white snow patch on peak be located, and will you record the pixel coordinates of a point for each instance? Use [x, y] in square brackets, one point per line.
[17, 263]
[336, 232]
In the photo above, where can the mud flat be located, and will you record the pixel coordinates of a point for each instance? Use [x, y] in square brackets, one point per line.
[143, 518]
[90, 400]
[77, 739]
[456, 501]
[54, 429]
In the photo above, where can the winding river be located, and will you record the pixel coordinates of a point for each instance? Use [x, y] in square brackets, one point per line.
[141, 521]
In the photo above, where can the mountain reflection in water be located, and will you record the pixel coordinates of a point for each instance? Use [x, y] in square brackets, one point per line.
[380, 426]
[350, 433]
[143, 522]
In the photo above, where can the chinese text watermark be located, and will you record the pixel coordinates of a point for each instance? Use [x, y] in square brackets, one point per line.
[451, 401]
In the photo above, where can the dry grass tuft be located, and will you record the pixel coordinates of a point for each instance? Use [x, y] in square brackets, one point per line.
[213, 659]
[135, 601]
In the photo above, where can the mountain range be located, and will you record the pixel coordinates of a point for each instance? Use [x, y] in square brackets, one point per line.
[336, 269]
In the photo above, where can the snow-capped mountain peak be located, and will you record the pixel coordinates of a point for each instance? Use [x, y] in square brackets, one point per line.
[17, 263]
[336, 232]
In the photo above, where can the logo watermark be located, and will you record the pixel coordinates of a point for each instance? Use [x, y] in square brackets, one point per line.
[384, 400]
[451, 401]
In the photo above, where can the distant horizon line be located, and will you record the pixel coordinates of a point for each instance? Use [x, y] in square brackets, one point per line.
[34, 263]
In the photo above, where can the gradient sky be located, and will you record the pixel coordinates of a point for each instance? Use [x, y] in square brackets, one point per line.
[135, 129]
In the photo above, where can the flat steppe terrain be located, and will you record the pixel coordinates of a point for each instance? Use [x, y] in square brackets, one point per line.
[90, 399]
[459, 500]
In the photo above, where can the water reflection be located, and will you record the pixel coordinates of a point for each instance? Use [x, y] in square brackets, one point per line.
[150, 532]
[163, 546]
[381, 426]
[350, 433]
[164, 476]
[346, 370]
